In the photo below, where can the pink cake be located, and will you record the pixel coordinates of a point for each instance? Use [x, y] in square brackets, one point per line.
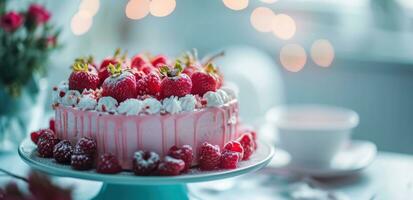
[131, 120]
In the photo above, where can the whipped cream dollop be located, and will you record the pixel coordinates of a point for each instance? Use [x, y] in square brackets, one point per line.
[59, 92]
[151, 106]
[213, 99]
[130, 107]
[172, 105]
[230, 92]
[224, 96]
[71, 98]
[87, 102]
[188, 102]
[107, 104]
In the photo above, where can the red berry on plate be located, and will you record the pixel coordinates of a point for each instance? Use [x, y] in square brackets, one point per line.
[81, 78]
[35, 135]
[86, 145]
[247, 142]
[52, 125]
[108, 164]
[229, 160]
[205, 80]
[62, 152]
[46, 143]
[81, 161]
[149, 85]
[184, 153]
[209, 156]
[175, 82]
[121, 85]
[145, 162]
[171, 166]
[234, 146]
[159, 60]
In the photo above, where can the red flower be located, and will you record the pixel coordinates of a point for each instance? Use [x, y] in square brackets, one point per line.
[51, 41]
[11, 21]
[38, 14]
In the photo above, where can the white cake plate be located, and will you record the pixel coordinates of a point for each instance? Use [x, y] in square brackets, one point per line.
[127, 186]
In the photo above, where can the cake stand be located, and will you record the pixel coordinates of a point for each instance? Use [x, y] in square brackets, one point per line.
[127, 186]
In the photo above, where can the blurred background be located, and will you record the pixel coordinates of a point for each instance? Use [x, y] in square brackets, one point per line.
[355, 53]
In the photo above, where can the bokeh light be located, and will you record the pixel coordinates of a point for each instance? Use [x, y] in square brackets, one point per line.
[262, 19]
[283, 26]
[236, 4]
[269, 1]
[162, 8]
[91, 6]
[81, 22]
[322, 52]
[137, 9]
[293, 57]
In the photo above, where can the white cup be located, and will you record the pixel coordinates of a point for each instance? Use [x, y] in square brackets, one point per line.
[312, 134]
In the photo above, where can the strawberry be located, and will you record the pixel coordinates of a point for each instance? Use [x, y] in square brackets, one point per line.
[159, 61]
[138, 74]
[191, 62]
[139, 61]
[121, 85]
[114, 60]
[204, 81]
[175, 82]
[150, 84]
[81, 78]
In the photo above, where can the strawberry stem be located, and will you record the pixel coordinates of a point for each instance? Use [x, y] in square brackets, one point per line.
[80, 66]
[115, 70]
[213, 57]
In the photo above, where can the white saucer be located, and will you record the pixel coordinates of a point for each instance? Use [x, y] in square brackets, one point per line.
[356, 156]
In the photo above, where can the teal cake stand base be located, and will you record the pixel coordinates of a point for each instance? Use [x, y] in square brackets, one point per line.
[127, 186]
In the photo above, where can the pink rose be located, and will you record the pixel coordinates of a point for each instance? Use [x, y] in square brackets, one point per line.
[11, 21]
[38, 14]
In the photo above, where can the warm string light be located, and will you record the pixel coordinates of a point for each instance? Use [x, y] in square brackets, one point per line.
[137, 9]
[322, 52]
[236, 4]
[82, 20]
[293, 57]
[162, 8]
[263, 19]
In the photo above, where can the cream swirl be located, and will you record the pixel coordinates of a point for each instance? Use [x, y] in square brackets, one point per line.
[130, 107]
[224, 96]
[172, 105]
[59, 92]
[71, 98]
[151, 106]
[230, 92]
[188, 102]
[87, 102]
[107, 104]
[213, 99]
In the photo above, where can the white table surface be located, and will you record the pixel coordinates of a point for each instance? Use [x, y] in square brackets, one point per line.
[390, 176]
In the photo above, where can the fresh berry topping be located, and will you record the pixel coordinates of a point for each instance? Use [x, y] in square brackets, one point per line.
[35, 135]
[45, 144]
[52, 125]
[192, 65]
[138, 74]
[248, 144]
[116, 59]
[108, 164]
[81, 78]
[229, 160]
[175, 82]
[204, 81]
[189, 70]
[171, 166]
[87, 146]
[145, 163]
[108, 61]
[209, 156]
[159, 61]
[235, 146]
[184, 153]
[62, 152]
[149, 85]
[139, 61]
[121, 85]
[81, 161]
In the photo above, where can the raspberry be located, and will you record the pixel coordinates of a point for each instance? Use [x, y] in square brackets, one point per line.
[62, 152]
[81, 161]
[52, 125]
[171, 166]
[86, 145]
[247, 142]
[184, 153]
[34, 136]
[46, 144]
[209, 156]
[235, 146]
[145, 163]
[229, 159]
[108, 164]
